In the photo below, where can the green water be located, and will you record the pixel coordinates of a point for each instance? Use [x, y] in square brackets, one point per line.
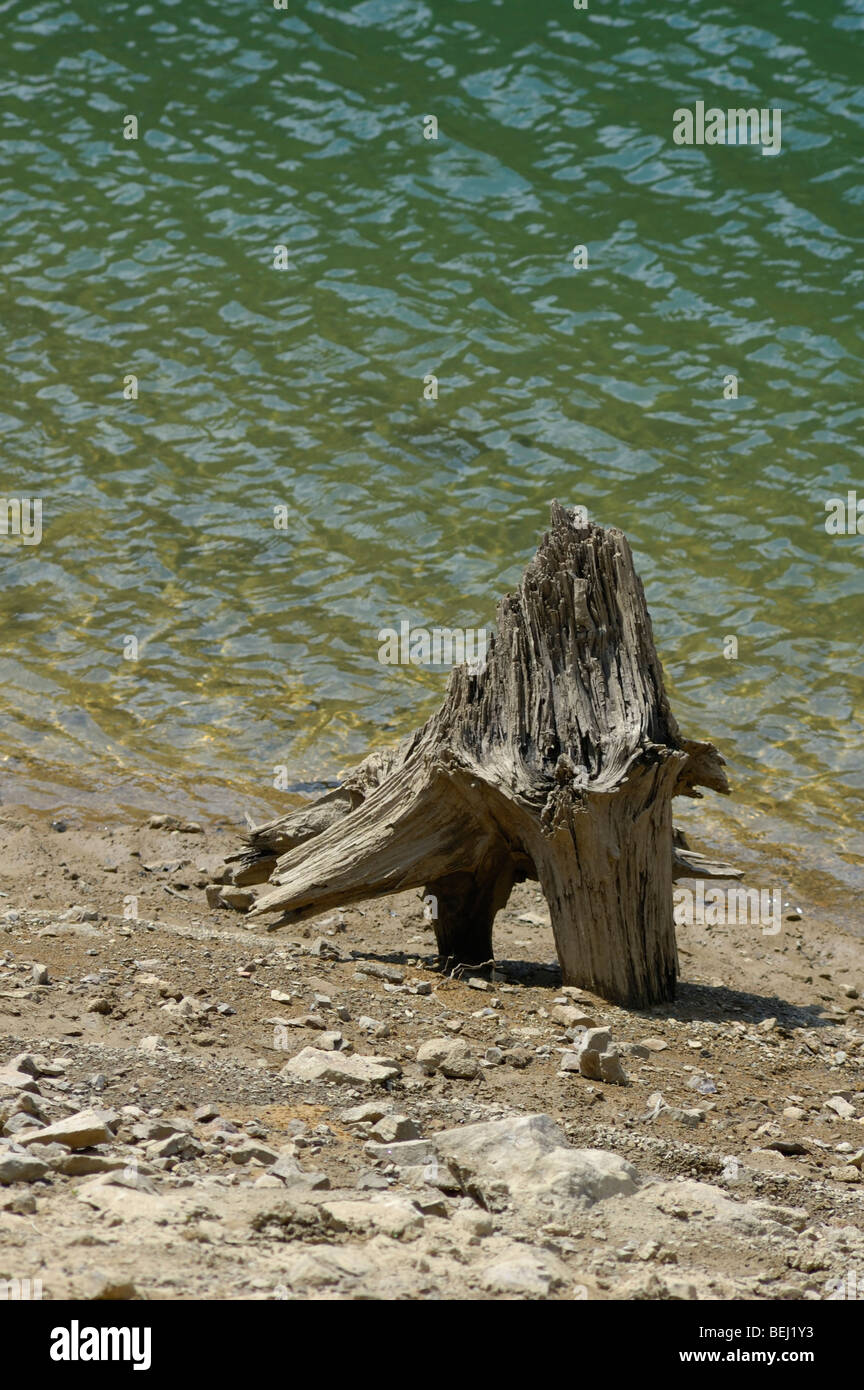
[303, 387]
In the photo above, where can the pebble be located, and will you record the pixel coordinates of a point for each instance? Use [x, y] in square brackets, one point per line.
[841, 1107]
[599, 1060]
[288, 1171]
[369, 1113]
[247, 1150]
[18, 1080]
[392, 1129]
[21, 1167]
[81, 1131]
[571, 1016]
[314, 1064]
[450, 1056]
[325, 949]
[378, 971]
[845, 1174]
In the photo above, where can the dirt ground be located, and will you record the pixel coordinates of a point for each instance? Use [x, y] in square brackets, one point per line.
[124, 995]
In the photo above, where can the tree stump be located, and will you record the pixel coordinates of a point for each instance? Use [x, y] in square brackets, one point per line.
[557, 762]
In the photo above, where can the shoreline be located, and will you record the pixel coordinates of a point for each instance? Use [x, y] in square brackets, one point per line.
[743, 1107]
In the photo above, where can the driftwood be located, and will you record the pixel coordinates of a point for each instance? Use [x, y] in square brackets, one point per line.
[557, 762]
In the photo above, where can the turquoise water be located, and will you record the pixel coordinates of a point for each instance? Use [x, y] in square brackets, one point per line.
[303, 387]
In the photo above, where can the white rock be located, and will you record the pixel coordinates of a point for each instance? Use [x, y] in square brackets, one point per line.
[79, 1131]
[526, 1160]
[393, 1217]
[841, 1107]
[522, 1274]
[313, 1064]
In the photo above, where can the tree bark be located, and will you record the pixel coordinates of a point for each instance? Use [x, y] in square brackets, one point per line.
[558, 761]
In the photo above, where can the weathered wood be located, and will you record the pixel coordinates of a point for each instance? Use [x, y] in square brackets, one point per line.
[558, 761]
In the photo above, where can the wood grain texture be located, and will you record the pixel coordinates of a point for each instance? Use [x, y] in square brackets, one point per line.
[558, 761]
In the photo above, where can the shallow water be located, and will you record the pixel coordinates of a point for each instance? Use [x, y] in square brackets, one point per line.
[303, 387]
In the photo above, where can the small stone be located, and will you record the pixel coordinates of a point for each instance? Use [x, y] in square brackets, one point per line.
[19, 1204]
[380, 971]
[20, 1123]
[247, 1151]
[611, 1070]
[26, 1062]
[81, 1131]
[182, 1146]
[524, 1275]
[474, 1222]
[841, 1107]
[595, 1040]
[325, 949]
[186, 1008]
[370, 1181]
[374, 1026]
[655, 1044]
[18, 1080]
[526, 1159]
[689, 1118]
[15, 1167]
[431, 1054]
[79, 1165]
[395, 1217]
[394, 1129]
[409, 1153]
[40, 974]
[849, 1173]
[205, 1113]
[518, 1057]
[460, 1066]
[240, 899]
[369, 1113]
[450, 1056]
[288, 1170]
[314, 1064]
[476, 983]
[98, 1287]
[571, 1016]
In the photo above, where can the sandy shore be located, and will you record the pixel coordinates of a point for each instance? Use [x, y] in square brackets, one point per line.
[728, 1166]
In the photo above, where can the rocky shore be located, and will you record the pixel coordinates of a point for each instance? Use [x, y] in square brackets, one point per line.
[193, 1109]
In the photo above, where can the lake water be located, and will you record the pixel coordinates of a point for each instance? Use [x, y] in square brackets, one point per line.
[303, 387]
